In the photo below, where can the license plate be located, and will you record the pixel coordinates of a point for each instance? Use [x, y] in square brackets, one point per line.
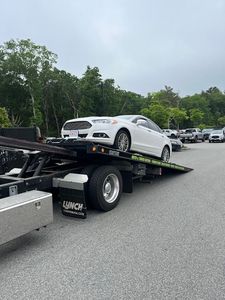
[74, 133]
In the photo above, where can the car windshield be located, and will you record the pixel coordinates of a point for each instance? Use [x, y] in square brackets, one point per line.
[189, 130]
[207, 130]
[218, 131]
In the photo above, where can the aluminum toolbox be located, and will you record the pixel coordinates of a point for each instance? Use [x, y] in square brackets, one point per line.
[22, 213]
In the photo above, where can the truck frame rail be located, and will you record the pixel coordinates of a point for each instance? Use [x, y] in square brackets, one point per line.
[80, 173]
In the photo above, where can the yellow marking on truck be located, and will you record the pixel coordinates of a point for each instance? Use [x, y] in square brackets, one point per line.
[156, 162]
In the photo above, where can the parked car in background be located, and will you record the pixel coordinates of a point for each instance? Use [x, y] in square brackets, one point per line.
[217, 135]
[192, 135]
[170, 133]
[206, 132]
[176, 144]
[127, 133]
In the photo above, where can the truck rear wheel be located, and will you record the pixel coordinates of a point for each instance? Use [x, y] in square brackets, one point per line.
[105, 188]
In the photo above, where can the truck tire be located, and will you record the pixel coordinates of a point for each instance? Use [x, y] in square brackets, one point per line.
[105, 188]
[89, 170]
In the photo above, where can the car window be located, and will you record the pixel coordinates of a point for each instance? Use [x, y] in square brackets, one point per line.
[153, 126]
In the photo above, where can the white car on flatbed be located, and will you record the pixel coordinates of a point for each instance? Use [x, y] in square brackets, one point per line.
[126, 132]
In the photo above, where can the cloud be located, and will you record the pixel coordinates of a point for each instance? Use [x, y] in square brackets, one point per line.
[143, 44]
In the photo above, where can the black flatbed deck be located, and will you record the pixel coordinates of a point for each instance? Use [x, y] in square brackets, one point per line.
[89, 150]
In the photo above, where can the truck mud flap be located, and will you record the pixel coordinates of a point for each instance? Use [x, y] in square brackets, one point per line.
[72, 192]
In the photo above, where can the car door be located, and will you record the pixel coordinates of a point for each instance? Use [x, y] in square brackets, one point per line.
[156, 138]
[141, 135]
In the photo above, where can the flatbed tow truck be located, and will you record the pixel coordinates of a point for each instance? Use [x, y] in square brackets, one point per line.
[77, 173]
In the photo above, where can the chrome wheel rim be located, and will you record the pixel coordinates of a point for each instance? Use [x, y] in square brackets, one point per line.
[166, 154]
[123, 142]
[111, 188]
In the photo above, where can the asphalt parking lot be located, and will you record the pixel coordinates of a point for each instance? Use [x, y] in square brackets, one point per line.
[164, 241]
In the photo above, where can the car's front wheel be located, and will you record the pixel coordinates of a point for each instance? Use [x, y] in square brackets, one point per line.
[122, 141]
[165, 154]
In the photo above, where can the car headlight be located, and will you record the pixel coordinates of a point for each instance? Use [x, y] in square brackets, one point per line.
[104, 121]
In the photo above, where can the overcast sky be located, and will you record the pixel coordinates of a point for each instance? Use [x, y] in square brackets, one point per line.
[142, 44]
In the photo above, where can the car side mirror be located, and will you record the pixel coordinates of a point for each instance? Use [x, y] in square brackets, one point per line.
[141, 123]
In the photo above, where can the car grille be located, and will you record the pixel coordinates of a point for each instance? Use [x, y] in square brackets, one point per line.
[215, 136]
[77, 125]
[82, 135]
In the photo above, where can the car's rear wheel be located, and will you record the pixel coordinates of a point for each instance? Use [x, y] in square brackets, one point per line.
[122, 141]
[165, 154]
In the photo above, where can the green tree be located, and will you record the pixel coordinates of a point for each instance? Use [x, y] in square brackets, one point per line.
[216, 102]
[158, 113]
[4, 119]
[177, 116]
[221, 121]
[166, 97]
[196, 116]
[61, 98]
[199, 102]
[91, 103]
[23, 62]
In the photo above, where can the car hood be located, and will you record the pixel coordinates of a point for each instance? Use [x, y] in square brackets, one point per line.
[216, 134]
[92, 118]
[88, 119]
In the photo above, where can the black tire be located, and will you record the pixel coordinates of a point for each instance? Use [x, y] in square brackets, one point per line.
[173, 136]
[89, 170]
[196, 139]
[209, 141]
[125, 144]
[103, 178]
[165, 156]
[203, 139]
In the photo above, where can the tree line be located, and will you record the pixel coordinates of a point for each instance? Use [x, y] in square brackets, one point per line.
[33, 91]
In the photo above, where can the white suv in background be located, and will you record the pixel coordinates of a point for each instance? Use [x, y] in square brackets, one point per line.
[170, 133]
[217, 135]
